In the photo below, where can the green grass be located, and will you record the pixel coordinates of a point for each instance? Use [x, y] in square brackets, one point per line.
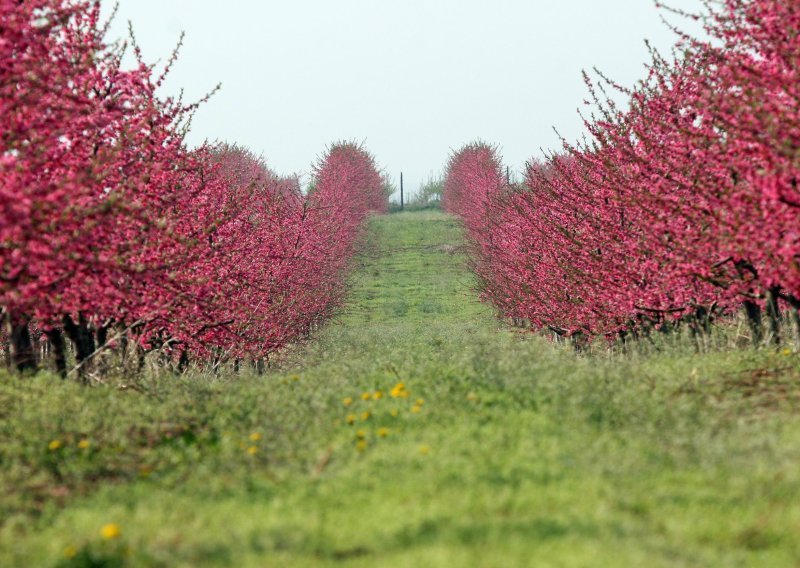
[521, 453]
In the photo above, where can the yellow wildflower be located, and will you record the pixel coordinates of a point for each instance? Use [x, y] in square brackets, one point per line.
[424, 450]
[787, 352]
[361, 445]
[348, 401]
[295, 377]
[383, 432]
[394, 412]
[70, 551]
[255, 437]
[361, 434]
[366, 415]
[472, 397]
[377, 395]
[54, 445]
[420, 401]
[110, 531]
[416, 409]
[252, 450]
[399, 391]
[351, 418]
[366, 396]
[84, 444]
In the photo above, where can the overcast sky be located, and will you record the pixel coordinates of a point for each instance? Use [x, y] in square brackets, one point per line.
[413, 79]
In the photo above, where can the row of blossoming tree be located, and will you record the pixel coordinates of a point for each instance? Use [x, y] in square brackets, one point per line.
[113, 233]
[683, 206]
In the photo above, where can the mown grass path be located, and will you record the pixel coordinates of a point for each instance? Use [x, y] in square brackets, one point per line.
[498, 450]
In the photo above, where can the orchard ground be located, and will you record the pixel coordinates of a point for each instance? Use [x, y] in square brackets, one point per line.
[415, 430]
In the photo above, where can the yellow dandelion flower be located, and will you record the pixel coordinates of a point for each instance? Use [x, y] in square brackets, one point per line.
[787, 352]
[361, 445]
[377, 395]
[366, 396]
[348, 401]
[84, 444]
[366, 415]
[394, 412]
[70, 551]
[424, 450]
[110, 531]
[295, 377]
[54, 445]
[399, 391]
[351, 418]
[252, 450]
[361, 434]
[383, 432]
[420, 401]
[255, 437]
[416, 409]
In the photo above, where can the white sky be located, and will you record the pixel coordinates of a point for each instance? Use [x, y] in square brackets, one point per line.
[413, 79]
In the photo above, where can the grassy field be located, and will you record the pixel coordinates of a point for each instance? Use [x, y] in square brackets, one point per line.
[413, 431]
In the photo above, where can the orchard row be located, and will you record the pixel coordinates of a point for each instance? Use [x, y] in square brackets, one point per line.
[113, 233]
[682, 206]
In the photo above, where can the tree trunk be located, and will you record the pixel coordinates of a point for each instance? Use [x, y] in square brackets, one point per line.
[579, 341]
[102, 339]
[694, 334]
[122, 346]
[83, 340]
[59, 346]
[774, 316]
[141, 359]
[703, 315]
[183, 362]
[102, 335]
[23, 356]
[753, 312]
